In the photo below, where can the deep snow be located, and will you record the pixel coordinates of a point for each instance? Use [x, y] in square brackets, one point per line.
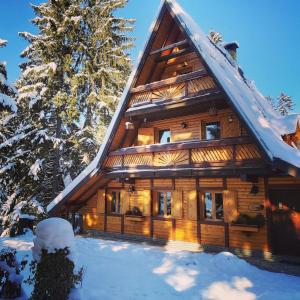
[120, 270]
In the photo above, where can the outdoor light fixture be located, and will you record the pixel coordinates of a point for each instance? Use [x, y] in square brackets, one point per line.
[183, 125]
[131, 189]
[129, 126]
[254, 189]
[230, 118]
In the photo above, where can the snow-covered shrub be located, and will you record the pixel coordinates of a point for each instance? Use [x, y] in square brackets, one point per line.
[13, 214]
[53, 269]
[10, 278]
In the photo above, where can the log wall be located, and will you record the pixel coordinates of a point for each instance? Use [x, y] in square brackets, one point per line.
[206, 232]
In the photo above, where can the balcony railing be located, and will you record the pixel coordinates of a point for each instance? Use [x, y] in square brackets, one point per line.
[193, 153]
[180, 87]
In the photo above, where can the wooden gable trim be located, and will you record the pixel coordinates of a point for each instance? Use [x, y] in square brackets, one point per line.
[188, 37]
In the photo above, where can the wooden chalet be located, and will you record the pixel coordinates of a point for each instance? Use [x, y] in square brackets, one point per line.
[194, 152]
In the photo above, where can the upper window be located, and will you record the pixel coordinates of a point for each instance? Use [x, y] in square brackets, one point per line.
[213, 205]
[212, 131]
[164, 136]
[164, 203]
[116, 202]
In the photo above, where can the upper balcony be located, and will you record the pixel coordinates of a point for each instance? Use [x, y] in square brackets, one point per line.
[192, 156]
[182, 91]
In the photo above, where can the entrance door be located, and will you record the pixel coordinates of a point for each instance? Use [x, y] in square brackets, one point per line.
[285, 221]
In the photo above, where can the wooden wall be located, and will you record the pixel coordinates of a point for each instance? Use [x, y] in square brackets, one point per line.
[193, 122]
[214, 233]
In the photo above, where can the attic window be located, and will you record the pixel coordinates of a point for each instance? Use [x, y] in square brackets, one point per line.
[164, 136]
[212, 131]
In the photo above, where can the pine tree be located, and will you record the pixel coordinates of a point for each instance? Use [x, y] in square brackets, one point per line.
[74, 72]
[285, 104]
[216, 36]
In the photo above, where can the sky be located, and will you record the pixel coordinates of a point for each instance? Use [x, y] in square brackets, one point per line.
[267, 31]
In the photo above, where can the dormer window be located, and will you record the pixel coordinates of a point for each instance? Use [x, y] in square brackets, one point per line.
[164, 136]
[212, 131]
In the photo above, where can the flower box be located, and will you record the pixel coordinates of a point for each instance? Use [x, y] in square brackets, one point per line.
[135, 218]
[244, 227]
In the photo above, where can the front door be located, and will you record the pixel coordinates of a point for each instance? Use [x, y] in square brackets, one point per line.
[285, 221]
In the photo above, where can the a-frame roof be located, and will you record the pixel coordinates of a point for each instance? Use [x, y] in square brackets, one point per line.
[266, 125]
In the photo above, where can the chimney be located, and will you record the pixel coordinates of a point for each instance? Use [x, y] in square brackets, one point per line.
[231, 48]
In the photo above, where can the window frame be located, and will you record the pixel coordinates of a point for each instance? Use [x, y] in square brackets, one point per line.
[159, 136]
[204, 131]
[213, 208]
[165, 214]
[118, 202]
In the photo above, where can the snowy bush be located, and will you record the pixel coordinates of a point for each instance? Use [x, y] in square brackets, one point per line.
[13, 214]
[10, 278]
[53, 269]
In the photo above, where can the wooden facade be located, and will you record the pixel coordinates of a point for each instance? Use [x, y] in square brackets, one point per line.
[182, 164]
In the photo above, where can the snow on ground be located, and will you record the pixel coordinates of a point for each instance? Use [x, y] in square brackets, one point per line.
[121, 270]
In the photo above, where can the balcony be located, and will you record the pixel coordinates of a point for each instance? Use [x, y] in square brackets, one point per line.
[216, 154]
[172, 92]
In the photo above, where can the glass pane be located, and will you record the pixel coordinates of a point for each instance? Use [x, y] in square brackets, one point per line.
[169, 205]
[219, 205]
[212, 131]
[114, 202]
[164, 136]
[208, 205]
[161, 204]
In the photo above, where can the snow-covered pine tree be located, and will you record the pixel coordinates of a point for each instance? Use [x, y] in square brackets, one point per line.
[12, 133]
[44, 87]
[215, 36]
[75, 69]
[285, 104]
[102, 68]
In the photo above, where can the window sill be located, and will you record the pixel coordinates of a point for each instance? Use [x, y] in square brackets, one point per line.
[212, 222]
[134, 218]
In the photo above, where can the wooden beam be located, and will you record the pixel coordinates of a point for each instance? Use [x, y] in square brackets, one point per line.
[174, 54]
[169, 81]
[182, 146]
[203, 98]
[171, 46]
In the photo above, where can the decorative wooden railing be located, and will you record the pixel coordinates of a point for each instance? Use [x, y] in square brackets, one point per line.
[194, 153]
[180, 87]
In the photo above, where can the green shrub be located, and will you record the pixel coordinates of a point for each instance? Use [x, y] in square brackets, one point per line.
[258, 220]
[54, 276]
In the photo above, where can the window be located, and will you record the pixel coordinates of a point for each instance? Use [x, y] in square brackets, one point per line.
[164, 136]
[116, 202]
[164, 203]
[212, 131]
[213, 205]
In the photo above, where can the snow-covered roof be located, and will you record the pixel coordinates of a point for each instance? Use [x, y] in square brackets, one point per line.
[266, 124]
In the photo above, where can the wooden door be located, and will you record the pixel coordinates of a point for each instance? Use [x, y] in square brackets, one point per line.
[285, 221]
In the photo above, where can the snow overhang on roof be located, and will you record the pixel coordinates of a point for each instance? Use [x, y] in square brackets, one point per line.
[265, 124]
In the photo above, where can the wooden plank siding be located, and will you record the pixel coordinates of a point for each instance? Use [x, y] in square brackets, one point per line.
[183, 228]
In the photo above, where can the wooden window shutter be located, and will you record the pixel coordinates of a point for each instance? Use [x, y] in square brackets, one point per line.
[145, 136]
[101, 202]
[109, 201]
[192, 205]
[176, 203]
[230, 206]
[124, 201]
[146, 202]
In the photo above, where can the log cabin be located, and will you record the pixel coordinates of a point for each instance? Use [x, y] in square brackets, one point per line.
[193, 153]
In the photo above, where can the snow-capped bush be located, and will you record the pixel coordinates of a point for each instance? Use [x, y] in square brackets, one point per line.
[10, 278]
[53, 268]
